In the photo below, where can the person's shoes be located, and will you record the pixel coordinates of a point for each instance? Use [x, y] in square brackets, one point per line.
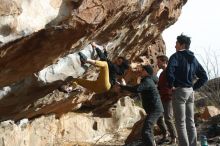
[173, 141]
[163, 140]
[82, 57]
[68, 88]
[63, 88]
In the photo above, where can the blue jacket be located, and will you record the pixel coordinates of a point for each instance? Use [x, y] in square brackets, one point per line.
[182, 68]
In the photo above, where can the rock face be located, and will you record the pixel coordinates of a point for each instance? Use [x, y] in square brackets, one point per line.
[210, 111]
[39, 41]
[23, 17]
[71, 127]
[132, 26]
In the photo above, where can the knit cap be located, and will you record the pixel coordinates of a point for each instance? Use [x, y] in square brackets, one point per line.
[148, 69]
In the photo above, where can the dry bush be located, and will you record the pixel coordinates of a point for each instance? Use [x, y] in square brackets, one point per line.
[211, 90]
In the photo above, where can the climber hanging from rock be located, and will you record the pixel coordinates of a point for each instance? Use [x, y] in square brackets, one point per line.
[109, 71]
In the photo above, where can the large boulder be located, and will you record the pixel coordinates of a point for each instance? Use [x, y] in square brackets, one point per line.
[209, 112]
[33, 65]
[71, 127]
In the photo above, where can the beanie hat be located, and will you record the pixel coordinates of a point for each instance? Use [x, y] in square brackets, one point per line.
[125, 64]
[148, 69]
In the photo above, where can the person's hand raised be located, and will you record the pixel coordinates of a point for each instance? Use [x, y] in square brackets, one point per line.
[94, 45]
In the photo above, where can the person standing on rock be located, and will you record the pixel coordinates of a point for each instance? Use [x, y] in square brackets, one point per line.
[109, 71]
[150, 100]
[182, 69]
[166, 98]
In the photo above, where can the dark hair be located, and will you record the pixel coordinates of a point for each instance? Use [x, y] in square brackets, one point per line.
[183, 39]
[148, 69]
[163, 58]
[125, 63]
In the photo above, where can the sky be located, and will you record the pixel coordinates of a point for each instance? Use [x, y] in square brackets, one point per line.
[200, 20]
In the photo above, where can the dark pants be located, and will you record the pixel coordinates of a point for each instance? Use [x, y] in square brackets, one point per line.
[147, 131]
[168, 117]
[161, 124]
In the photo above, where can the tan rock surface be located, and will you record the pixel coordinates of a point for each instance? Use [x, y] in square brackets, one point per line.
[71, 127]
[210, 111]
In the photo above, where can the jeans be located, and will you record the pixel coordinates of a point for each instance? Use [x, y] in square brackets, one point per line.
[168, 116]
[183, 107]
[147, 131]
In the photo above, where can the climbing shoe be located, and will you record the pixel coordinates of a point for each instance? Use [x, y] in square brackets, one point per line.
[65, 88]
[70, 87]
[82, 57]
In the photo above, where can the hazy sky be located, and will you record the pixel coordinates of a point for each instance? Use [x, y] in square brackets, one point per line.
[200, 19]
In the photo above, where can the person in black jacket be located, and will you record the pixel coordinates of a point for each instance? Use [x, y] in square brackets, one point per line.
[108, 72]
[182, 69]
[116, 68]
[151, 102]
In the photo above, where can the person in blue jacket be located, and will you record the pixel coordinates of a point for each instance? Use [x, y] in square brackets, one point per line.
[182, 69]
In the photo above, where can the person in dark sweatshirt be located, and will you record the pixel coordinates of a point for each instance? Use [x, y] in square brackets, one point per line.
[182, 69]
[151, 102]
[109, 71]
